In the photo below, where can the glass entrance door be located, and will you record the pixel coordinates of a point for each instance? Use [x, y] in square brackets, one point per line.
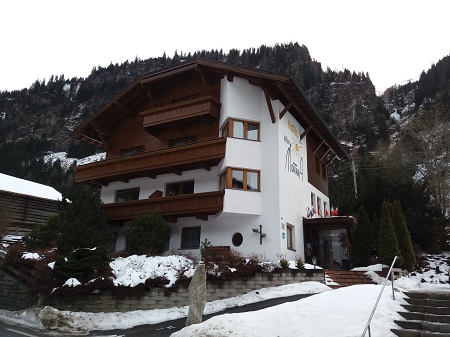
[331, 248]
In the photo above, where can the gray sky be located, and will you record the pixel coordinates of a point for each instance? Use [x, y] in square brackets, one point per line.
[392, 40]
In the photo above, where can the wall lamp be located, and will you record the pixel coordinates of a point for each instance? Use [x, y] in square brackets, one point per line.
[261, 234]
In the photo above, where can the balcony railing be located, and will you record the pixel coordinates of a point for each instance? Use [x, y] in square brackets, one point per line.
[203, 107]
[204, 154]
[198, 204]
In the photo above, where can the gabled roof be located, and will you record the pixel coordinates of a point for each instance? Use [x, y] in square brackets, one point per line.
[28, 188]
[275, 86]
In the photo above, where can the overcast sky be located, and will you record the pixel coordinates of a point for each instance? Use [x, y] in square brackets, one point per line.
[392, 40]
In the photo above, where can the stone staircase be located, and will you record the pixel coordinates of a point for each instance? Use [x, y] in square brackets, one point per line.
[345, 278]
[427, 315]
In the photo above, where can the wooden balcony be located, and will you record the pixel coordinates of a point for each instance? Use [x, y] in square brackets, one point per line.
[199, 205]
[205, 108]
[200, 155]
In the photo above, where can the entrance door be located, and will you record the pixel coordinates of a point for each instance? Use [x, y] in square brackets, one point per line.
[331, 248]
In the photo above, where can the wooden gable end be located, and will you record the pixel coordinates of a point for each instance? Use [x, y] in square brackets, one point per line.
[128, 121]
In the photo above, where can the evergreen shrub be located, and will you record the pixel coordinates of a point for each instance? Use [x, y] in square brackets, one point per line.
[148, 234]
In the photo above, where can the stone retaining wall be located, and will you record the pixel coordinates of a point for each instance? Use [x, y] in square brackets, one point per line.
[14, 295]
[160, 298]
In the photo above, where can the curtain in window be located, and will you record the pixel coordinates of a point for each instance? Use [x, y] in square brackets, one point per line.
[252, 180]
[289, 236]
[252, 132]
[191, 237]
[238, 129]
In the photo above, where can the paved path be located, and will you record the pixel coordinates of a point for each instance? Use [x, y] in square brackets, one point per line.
[165, 329]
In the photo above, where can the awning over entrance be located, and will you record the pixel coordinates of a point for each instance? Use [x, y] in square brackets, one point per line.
[329, 240]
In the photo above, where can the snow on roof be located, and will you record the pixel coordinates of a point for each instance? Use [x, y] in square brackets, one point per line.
[26, 187]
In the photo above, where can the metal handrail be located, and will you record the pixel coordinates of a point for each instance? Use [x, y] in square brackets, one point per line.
[379, 296]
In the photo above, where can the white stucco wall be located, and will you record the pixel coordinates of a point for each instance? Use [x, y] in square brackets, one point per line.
[294, 186]
[239, 99]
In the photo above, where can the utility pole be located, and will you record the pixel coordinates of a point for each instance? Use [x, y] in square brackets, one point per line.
[354, 177]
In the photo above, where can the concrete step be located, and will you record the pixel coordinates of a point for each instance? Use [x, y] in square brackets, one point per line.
[428, 315]
[418, 333]
[426, 326]
[428, 302]
[415, 316]
[430, 295]
[346, 278]
[427, 309]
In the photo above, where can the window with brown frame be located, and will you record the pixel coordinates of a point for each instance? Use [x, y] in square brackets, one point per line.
[132, 150]
[127, 195]
[184, 98]
[317, 166]
[241, 179]
[182, 141]
[190, 238]
[290, 237]
[241, 129]
[324, 171]
[181, 187]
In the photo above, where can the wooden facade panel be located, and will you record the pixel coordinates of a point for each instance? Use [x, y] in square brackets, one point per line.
[316, 167]
[204, 106]
[177, 89]
[185, 157]
[174, 206]
[131, 133]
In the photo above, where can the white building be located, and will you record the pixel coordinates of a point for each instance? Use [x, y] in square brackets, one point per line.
[233, 155]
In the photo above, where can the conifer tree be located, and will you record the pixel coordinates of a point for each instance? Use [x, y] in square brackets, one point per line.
[81, 222]
[403, 237]
[387, 238]
[375, 222]
[362, 242]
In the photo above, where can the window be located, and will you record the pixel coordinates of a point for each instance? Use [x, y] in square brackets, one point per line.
[127, 195]
[237, 239]
[241, 129]
[190, 238]
[184, 98]
[178, 188]
[319, 205]
[132, 150]
[324, 171]
[325, 209]
[290, 236]
[317, 166]
[240, 179]
[182, 141]
[313, 199]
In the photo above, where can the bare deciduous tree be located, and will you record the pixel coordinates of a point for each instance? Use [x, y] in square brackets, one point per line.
[425, 143]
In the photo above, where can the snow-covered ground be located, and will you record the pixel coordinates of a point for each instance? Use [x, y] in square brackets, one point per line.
[340, 312]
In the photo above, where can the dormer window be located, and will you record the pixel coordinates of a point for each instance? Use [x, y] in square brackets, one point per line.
[241, 129]
[132, 150]
[182, 141]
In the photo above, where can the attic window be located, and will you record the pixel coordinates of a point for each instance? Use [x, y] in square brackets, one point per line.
[184, 98]
[132, 150]
[182, 141]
